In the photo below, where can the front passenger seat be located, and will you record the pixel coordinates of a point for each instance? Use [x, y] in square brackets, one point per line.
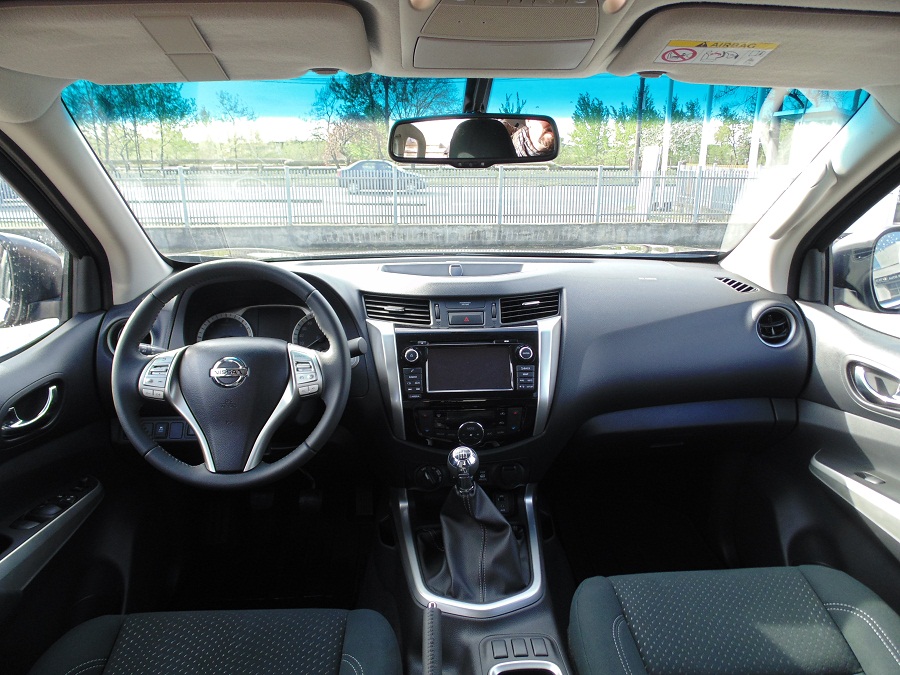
[280, 641]
[771, 621]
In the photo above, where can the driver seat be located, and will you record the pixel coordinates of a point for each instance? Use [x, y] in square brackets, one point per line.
[314, 641]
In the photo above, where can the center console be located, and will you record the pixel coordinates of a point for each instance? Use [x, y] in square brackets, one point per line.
[482, 384]
[477, 388]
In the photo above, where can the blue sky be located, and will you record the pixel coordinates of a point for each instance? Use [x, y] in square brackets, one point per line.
[294, 98]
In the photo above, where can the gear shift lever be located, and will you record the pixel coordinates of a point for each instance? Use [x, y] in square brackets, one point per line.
[481, 560]
[463, 465]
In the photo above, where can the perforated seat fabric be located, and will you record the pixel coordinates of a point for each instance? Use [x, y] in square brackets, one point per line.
[296, 641]
[770, 621]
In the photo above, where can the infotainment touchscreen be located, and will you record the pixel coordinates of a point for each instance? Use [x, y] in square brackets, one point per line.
[462, 368]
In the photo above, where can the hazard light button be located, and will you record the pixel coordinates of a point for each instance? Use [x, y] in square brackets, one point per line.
[466, 318]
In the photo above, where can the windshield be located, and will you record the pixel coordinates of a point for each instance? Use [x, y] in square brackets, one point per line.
[294, 169]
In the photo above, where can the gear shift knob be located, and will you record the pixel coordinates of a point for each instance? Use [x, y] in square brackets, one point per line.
[463, 465]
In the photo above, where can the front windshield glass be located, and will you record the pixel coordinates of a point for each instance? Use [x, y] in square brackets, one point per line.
[299, 168]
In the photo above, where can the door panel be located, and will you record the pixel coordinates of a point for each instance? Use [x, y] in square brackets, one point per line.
[853, 438]
[48, 487]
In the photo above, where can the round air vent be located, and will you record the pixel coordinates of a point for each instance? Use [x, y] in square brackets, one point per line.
[115, 332]
[775, 327]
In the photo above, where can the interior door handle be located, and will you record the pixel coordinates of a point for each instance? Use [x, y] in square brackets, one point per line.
[884, 392]
[15, 423]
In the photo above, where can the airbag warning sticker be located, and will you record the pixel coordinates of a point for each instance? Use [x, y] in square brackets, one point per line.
[690, 52]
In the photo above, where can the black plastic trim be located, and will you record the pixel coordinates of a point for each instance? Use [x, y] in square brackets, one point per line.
[849, 209]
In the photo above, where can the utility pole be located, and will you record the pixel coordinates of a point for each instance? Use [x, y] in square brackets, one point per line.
[640, 122]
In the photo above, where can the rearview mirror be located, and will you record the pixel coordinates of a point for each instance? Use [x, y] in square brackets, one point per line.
[477, 140]
[886, 271]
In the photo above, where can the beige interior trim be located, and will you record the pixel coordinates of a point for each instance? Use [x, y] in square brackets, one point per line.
[817, 49]
[116, 43]
[868, 141]
[56, 145]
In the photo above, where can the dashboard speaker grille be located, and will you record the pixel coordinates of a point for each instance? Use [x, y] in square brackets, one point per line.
[531, 307]
[398, 308]
[739, 286]
[775, 327]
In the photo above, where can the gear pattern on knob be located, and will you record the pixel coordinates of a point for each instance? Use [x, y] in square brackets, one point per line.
[463, 464]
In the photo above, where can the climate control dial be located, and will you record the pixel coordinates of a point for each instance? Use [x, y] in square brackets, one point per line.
[470, 433]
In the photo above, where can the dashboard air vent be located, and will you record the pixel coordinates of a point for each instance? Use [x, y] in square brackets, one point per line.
[398, 308]
[518, 308]
[739, 286]
[775, 327]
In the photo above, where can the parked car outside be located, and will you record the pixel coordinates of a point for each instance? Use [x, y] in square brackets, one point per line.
[377, 174]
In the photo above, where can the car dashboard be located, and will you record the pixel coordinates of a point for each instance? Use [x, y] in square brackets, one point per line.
[519, 357]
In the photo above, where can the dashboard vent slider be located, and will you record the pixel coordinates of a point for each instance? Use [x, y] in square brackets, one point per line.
[531, 307]
[398, 309]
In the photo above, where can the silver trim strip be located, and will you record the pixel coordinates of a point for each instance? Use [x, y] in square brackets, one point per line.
[384, 350]
[472, 610]
[20, 565]
[290, 396]
[548, 355]
[18, 424]
[176, 398]
[527, 664]
[877, 508]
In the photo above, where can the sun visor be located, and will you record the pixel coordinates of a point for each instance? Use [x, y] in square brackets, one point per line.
[766, 47]
[177, 42]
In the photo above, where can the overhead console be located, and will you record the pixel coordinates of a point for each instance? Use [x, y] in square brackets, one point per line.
[472, 371]
[514, 35]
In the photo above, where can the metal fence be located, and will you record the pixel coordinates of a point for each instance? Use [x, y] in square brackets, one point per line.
[296, 196]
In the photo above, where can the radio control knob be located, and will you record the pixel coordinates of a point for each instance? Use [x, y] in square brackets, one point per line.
[525, 353]
[411, 355]
[470, 433]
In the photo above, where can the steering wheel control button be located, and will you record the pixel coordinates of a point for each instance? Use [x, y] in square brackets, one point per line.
[153, 379]
[470, 433]
[306, 374]
[229, 372]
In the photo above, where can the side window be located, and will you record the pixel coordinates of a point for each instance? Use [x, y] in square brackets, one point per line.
[32, 273]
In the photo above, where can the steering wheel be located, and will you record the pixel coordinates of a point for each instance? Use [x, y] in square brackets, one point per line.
[233, 392]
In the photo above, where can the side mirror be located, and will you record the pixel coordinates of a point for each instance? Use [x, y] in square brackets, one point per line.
[31, 275]
[886, 271]
[470, 141]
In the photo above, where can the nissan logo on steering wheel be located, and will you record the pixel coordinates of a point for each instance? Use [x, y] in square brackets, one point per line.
[229, 372]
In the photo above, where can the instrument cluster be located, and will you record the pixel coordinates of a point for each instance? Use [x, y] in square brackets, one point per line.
[285, 322]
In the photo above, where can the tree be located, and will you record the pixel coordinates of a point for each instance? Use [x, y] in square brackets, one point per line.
[232, 110]
[733, 136]
[91, 106]
[129, 106]
[510, 107]
[365, 105]
[590, 141]
[169, 110]
[686, 132]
